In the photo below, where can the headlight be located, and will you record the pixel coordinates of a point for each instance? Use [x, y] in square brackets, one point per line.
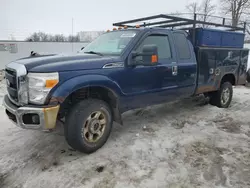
[40, 85]
[23, 91]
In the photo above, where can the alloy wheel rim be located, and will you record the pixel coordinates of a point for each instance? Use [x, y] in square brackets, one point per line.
[94, 127]
[225, 96]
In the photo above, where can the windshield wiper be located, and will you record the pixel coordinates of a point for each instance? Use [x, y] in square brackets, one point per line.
[92, 52]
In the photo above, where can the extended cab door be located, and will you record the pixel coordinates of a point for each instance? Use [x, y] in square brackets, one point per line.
[147, 85]
[186, 64]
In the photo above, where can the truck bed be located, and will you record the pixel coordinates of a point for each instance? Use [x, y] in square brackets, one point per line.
[213, 63]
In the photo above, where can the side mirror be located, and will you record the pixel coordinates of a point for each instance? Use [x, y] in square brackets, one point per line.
[149, 56]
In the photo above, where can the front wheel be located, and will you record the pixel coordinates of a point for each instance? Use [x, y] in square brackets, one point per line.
[223, 97]
[88, 125]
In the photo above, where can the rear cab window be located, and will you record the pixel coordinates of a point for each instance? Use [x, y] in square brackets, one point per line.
[182, 46]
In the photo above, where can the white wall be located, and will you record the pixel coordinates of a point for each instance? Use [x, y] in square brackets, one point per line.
[24, 49]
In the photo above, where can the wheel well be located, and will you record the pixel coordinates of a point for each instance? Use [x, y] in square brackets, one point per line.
[228, 78]
[92, 92]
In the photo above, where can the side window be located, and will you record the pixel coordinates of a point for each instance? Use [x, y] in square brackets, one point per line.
[161, 41]
[182, 46]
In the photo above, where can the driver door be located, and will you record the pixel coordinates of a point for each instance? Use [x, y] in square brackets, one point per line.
[148, 85]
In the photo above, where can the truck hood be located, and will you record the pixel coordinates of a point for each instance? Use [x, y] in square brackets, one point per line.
[63, 62]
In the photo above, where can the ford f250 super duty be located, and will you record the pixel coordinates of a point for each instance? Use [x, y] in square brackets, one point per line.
[131, 67]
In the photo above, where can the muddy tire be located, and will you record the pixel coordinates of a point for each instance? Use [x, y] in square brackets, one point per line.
[248, 76]
[88, 125]
[223, 97]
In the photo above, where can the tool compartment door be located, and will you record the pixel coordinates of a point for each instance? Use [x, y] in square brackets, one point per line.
[206, 59]
[242, 70]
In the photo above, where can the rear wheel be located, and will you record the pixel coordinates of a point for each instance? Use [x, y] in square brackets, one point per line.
[248, 76]
[88, 125]
[223, 97]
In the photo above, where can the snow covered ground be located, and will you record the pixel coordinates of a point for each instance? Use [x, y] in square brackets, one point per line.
[176, 145]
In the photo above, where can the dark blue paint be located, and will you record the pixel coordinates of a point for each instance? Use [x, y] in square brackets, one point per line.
[227, 60]
[137, 86]
[242, 70]
[70, 62]
[219, 38]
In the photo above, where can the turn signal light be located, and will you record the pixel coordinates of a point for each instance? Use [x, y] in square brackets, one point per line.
[51, 83]
[154, 59]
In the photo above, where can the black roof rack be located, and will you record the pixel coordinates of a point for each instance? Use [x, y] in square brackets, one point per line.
[170, 21]
[182, 23]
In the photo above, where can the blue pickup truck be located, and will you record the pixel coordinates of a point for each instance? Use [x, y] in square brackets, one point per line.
[132, 66]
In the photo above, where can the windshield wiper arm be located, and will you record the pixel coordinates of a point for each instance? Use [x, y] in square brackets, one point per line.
[92, 52]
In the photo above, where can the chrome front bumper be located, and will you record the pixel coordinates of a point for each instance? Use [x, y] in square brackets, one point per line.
[46, 116]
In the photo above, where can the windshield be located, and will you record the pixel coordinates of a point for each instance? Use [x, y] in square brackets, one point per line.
[111, 43]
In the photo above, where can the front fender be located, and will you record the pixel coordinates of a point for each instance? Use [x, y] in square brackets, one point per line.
[61, 92]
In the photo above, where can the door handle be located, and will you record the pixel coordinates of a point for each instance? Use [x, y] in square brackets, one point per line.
[174, 69]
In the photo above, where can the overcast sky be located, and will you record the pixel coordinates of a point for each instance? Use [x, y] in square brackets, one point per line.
[22, 17]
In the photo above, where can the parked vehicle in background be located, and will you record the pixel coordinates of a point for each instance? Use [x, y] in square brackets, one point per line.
[131, 67]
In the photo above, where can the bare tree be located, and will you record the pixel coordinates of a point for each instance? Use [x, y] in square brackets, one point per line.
[88, 38]
[207, 9]
[44, 37]
[204, 9]
[58, 38]
[74, 38]
[193, 7]
[235, 8]
[38, 37]
[34, 37]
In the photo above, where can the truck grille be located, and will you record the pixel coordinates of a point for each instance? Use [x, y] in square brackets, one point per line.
[17, 91]
[12, 84]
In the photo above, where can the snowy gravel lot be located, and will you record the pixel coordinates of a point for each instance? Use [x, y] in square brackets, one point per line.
[176, 145]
